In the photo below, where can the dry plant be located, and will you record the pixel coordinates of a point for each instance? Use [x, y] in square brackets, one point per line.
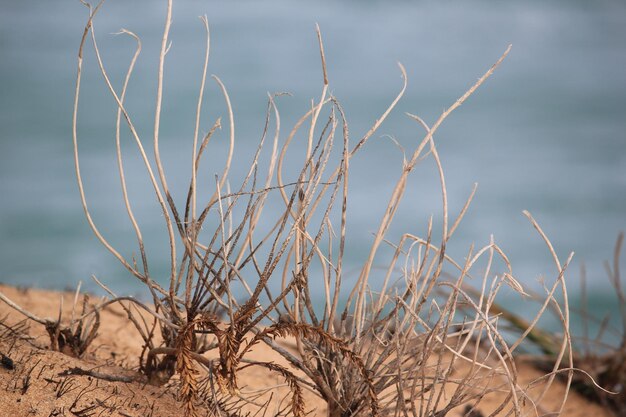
[608, 368]
[71, 338]
[399, 344]
[601, 362]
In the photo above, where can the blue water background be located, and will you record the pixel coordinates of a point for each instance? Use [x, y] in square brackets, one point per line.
[546, 133]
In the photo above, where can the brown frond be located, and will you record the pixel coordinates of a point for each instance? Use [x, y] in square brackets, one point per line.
[297, 401]
[304, 331]
[188, 390]
[227, 372]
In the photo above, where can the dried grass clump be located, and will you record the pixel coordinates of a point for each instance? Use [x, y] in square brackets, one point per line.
[420, 344]
[608, 369]
[602, 363]
[71, 338]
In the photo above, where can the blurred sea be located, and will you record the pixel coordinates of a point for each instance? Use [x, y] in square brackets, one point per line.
[546, 133]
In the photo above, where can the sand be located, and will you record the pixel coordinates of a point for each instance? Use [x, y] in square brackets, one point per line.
[35, 381]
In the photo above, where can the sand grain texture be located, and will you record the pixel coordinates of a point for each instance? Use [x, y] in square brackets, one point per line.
[39, 383]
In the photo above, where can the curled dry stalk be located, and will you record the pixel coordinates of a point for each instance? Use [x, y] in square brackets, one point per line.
[600, 371]
[397, 334]
[609, 369]
[202, 279]
[392, 349]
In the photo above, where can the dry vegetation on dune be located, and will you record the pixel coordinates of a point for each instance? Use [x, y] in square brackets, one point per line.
[601, 362]
[420, 343]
